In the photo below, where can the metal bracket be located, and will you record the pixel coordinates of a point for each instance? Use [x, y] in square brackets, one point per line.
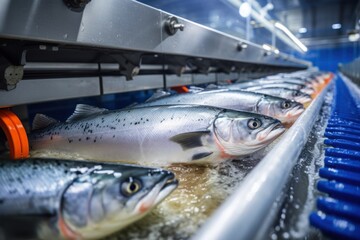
[129, 64]
[76, 5]
[13, 59]
[176, 64]
[225, 67]
[203, 65]
[177, 69]
[241, 46]
[10, 74]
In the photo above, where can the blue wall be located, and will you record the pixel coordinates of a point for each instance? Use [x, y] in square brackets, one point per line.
[328, 58]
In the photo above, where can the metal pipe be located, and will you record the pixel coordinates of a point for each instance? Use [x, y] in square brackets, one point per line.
[243, 214]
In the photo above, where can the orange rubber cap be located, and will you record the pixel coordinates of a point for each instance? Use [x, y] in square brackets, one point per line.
[180, 89]
[15, 134]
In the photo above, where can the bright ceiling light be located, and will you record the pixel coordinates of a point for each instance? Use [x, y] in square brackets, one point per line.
[267, 47]
[245, 9]
[302, 30]
[353, 37]
[291, 36]
[336, 26]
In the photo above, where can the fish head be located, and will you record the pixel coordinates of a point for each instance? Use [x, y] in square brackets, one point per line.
[285, 110]
[242, 133]
[104, 201]
[301, 97]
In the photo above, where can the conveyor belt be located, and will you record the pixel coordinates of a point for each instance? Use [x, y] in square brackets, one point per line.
[249, 212]
[338, 214]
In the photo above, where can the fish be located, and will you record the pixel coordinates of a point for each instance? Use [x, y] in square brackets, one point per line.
[267, 80]
[254, 86]
[159, 135]
[298, 77]
[292, 94]
[285, 110]
[316, 77]
[315, 83]
[287, 93]
[292, 86]
[77, 200]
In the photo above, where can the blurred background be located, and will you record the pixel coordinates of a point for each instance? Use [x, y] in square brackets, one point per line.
[328, 28]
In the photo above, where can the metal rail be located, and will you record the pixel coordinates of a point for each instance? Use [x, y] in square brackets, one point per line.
[245, 214]
[352, 70]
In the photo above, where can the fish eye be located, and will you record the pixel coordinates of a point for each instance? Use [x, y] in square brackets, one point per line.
[286, 104]
[130, 187]
[254, 123]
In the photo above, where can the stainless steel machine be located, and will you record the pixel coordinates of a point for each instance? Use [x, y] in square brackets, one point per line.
[61, 49]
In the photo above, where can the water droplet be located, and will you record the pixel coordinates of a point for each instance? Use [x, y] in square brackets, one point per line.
[286, 235]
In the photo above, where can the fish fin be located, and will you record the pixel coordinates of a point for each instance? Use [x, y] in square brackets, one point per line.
[195, 89]
[42, 121]
[158, 95]
[83, 111]
[199, 156]
[189, 140]
[211, 86]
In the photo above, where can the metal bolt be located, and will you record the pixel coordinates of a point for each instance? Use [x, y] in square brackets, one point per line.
[172, 25]
[135, 71]
[241, 46]
[179, 26]
[76, 5]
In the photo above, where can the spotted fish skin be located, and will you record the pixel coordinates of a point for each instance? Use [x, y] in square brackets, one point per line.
[40, 178]
[21, 180]
[158, 135]
[222, 98]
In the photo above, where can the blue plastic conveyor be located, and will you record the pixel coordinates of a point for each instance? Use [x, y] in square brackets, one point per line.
[338, 214]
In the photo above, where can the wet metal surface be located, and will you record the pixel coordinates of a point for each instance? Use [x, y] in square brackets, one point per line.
[293, 219]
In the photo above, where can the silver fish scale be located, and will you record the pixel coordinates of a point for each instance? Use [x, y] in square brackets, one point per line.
[236, 100]
[258, 82]
[126, 135]
[282, 92]
[38, 179]
[279, 85]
